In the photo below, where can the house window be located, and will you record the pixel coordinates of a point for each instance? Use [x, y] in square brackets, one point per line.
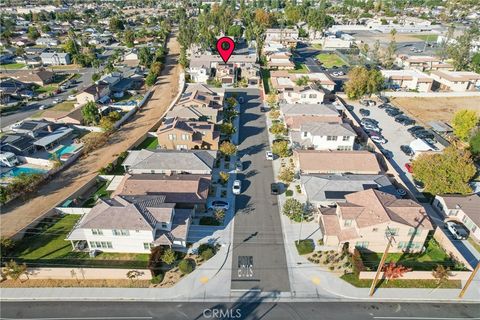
[172, 137]
[344, 148]
[361, 244]
[347, 223]
[147, 246]
[101, 245]
[453, 212]
[120, 232]
[465, 219]
[185, 137]
[331, 138]
[305, 134]
[346, 138]
[312, 96]
[97, 232]
[414, 232]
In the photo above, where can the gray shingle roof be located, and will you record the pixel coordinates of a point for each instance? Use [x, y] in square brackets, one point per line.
[328, 129]
[308, 109]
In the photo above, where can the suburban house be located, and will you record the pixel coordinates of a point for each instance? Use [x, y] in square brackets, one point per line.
[55, 58]
[280, 61]
[410, 79]
[325, 190]
[46, 41]
[186, 190]
[52, 140]
[178, 134]
[73, 116]
[285, 36]
[131, 58]
[310, 94]
[93, 93]
[336, 162]
[422, 63]
[33, 128]
[464, 209]
[367, 218]
[282, 79]
[295, 115]
[169, 161]
[197, 105]
[132, 225]
[39, 77]
[324, 136]
[18, 144]
[459, 81]
[331, 42]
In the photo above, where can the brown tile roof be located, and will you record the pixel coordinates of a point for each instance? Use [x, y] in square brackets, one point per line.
[182, 188]
[331, 226]
[316, 161]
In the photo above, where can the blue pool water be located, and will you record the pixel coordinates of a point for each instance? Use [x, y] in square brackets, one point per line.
[19, 170]
[66, 149]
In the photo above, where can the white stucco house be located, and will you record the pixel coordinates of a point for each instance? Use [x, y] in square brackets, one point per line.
[310, 94]
[324, 136]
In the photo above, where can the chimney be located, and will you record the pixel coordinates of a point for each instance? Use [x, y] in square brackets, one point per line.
[49, 128]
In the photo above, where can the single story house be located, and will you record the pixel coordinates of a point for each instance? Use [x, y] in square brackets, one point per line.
[410, 79]
[459, 81]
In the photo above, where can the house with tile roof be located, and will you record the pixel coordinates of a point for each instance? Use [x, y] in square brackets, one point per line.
[295, 115]
[324, 136]
[463, 209]
[368, 218]
[310, 94]
[177, 134]
[132, 224]
[197, 105]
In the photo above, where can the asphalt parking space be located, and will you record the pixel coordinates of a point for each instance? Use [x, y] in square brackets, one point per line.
[396, 135]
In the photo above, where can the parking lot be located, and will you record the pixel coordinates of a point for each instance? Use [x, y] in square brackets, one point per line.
[396, 135]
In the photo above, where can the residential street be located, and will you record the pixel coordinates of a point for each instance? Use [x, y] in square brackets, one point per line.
[259, 260]
[253, 308]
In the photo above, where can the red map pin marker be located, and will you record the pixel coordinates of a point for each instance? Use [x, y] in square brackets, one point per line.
[225, 47]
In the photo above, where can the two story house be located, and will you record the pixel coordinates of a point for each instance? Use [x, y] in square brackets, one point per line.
[198, 105]
[310, 94]
[184, 135]
[132, 225]
[324, 136]
[368, 218]
[295, 115]
[93, 93]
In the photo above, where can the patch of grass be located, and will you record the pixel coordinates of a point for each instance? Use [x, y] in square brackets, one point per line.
[299, 68]
[427, 37]
[330, 60]
[13, 66]
[474, 244]
[317, 46]
[49, 88]
[64, 106]
[304, 246]
[426, 261]
[150, 143]
[100, 193]
[398, 283]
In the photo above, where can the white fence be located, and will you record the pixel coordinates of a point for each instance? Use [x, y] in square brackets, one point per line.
[69, 210]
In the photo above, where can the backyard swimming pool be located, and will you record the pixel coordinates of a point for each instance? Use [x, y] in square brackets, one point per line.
[15, 172]
[66, 149]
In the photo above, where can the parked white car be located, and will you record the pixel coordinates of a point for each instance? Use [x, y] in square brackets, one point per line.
[456, 230]
[71, 97]
[269, 155]
[378, 139]
[237, 187]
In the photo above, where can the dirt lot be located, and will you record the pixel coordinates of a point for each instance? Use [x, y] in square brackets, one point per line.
[20, 213]
[64, 283]
[428, 109]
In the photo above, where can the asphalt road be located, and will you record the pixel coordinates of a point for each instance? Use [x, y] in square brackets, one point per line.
[256, 309]
[32, 107]
[259, 260]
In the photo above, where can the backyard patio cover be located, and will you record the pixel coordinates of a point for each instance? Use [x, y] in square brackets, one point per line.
[55, 136]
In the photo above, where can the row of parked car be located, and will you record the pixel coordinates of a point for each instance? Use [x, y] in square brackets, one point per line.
[397, 114]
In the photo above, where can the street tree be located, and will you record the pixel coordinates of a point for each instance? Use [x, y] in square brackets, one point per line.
[90, 113]
[293, 209]
[281, 149]
[362, 81]
[227, 128]
[447, 172]
[286, 175]
[116, 24]
[227, 148]
[224, 176]
[393, 271]
[129, 38]
[33, 33]
[278, 128]
[15, 270]
[464, 121]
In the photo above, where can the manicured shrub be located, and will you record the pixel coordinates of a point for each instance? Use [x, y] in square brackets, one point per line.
[289, 193]
[157, 279]
[209, 221]
[207, 254]
[186, 266]
[304, 246]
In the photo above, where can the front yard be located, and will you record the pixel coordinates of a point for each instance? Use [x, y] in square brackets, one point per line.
[299, 68]
[61, 107]
[427, 261]
[14, 66]
[45, 245]
[149, 143]
[395, 283]
[330, 60]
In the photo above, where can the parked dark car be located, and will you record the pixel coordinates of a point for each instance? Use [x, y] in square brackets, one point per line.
[414, 129]
[393, 112]
[418, 184]
[274, 189]
[405, 120]
[383, 99]
[407, 150]
[364, 112]
[383, 105]
[349, 107]
[369, 120]
[423, 134]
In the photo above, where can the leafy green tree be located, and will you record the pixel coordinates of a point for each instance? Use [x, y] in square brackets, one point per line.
[475, 64]
[274, 114]
[292, 14]
[107, 124]
[278, 128]
[362, 81]
[475, 144]
[150, 79]
[90, 113]
[224, 176]
[235, 31]
[302, 81]
[447, 172]
[227, 148]
[95, 77]
[464, 121]
[6, 245]
[71, 47]
[114, 115]
[115, 24]
[186, 266]
[129, 38]
[286, 174]
[33, 33]
[46, 28]
[293, 209]
[145, 56]
[281, 149]
[227, 128]
[169, 256]
[459, 51]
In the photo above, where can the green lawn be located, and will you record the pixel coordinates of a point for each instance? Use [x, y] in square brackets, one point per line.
[330, 60]
[46, 89]
[61, 107]
[396, 283]
[299, 68]
[150, 143]
[266, 80]
[317, 46]
[100, 193]
[417, 261]
[46, 246]
[427, 37]
[12, 66]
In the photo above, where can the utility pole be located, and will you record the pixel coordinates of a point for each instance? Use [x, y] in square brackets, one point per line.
[382, 262]
[469, 281]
